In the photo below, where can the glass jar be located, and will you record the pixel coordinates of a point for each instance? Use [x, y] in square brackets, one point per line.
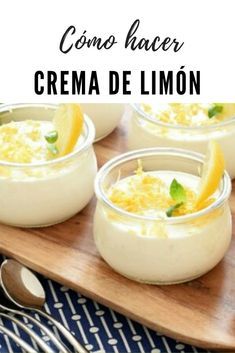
[105, 117]
[160, 250]
[44, 193]
[145, 131]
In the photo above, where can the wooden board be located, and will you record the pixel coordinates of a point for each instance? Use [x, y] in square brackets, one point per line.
[201, 312]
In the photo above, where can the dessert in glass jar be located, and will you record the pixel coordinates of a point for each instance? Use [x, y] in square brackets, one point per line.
[105, 117]
[189, 126]
[157, 221]
[47, 163]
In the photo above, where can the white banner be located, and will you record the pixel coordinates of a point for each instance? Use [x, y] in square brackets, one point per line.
[104, 51]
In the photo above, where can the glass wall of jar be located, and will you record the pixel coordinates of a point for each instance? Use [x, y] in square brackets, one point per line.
[46, 192]
[105, 117]
[146, 131]
[160, 250]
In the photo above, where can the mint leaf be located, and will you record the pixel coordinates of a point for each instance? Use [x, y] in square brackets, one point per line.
[53, 149]
[177, 191]
[52, 136]
[171, 209]
[214, 110]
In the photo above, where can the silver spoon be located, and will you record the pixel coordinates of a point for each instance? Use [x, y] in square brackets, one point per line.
[29, 331]
[7, 306]
[17, 340]
[24, 289]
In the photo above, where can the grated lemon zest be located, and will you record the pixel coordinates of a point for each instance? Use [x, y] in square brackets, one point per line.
[22, 143]
[188, 114]
[147, 192]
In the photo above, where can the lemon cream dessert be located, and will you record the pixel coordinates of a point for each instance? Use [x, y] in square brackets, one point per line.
[47, 163]
[105, 117]
[163, 223]
[188, 126]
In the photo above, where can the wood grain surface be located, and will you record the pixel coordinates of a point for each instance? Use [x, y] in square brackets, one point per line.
[201, 312]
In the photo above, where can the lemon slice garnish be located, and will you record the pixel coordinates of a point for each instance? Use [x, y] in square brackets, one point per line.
[68, 122]
[212, 172]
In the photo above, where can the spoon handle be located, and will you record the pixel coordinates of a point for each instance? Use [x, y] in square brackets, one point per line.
[17, 340]
[48, 332]
[30, 332]
[70, 338]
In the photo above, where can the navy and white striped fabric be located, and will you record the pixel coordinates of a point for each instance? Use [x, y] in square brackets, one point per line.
[99, 328]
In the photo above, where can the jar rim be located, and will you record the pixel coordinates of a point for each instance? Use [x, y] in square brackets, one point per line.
[88, 139]
[158, 151]
[149, 118]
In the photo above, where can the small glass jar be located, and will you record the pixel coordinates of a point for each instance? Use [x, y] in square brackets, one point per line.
[160, 250]
[105, 117]
[45, 193]
[146, 131]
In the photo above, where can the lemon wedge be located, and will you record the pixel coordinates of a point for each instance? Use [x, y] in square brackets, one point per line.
[68, 122]
[212, 172]
[228, 110]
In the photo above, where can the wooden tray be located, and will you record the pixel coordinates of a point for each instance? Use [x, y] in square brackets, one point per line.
[201, 312]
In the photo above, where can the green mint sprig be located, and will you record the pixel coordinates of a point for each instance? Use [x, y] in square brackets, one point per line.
[53, 149]
[214, 110]
[177, 191]
[51, 136]
[178, 194]
[171, 209]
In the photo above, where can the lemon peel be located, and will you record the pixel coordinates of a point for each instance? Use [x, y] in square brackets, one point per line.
[68, 122]
[212, 172]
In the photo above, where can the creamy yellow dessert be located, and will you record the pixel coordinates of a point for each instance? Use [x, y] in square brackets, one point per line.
[31, 141]
[105, 116]
[164, 225]
[191, 115]
[25, 142]
[47, 166]
[188, 126]
[156, 194]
